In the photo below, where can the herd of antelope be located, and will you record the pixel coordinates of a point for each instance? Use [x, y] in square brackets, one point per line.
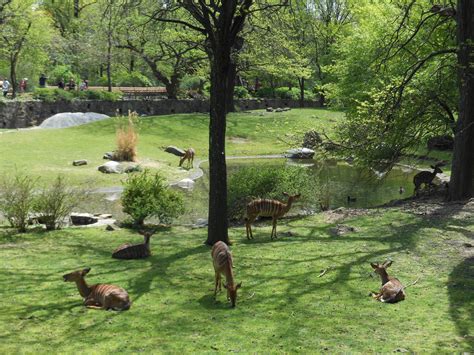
[105, 296]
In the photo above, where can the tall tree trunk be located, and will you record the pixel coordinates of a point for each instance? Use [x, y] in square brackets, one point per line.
[109, 64]
[301, 81]
[218, 224]
[230, 87]
[462, 175]
[13, 61]
[76, 8]
[172, 87]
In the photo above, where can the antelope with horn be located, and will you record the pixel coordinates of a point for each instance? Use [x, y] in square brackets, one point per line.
[392, 290]
[134, 251]
[100, 296]
[189, 156]
[426, 177]
[222, 261]
[267, 208]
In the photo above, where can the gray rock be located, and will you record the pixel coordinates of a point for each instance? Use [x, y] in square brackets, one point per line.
[79, 162]
[340, 230]
[186, 184]
[112, 227]
[279, 109]
[286, 108]
[269, 109]
[82, 219]
[111, 167]
[108, 155]
[300, 153]
[174, 150]
[131, 168]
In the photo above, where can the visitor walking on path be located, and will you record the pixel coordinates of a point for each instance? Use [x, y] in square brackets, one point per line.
[42, 81]
[23, 84]
[61, 84]
[71, 85]
[5, 87]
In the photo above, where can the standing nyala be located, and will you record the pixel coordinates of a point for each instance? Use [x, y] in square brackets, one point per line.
[134, 251]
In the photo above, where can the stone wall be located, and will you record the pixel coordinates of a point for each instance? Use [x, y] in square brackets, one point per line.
[16, 114]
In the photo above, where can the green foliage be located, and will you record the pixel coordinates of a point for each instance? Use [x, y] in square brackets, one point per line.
[125, 78]
[17, 199]
[53, 95]
[55, 203]
[64, 73]
[99, 95]
[241, 92]
[265, 92]
[265, 182]
[147, 195]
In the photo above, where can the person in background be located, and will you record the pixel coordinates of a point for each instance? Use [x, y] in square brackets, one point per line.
[1, 81]
[71, 85]
[84, 85]
[5, 87]
[42, 81]
[61, 84]
[23, 84]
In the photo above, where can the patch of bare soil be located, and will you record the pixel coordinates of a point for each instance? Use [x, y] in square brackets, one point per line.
[237, 140]
[343, 213]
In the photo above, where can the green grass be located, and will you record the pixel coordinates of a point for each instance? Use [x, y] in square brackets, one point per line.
[283, 305]
[46, 153]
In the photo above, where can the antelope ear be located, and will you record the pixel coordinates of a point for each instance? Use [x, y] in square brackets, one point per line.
[374, 266]
[387, 263]
[86, 271]
[239, 285]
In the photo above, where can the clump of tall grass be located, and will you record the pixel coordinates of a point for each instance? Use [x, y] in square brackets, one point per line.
[127, 138]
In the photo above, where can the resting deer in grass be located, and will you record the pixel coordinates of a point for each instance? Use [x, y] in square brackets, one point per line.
[426, 177]
[189, 156]
[392, 289]
[267, 208]
[134, 251]
[222, 261]
[100, 296]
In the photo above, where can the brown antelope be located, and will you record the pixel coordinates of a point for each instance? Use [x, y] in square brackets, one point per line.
[392, 289]
[222, 260]
[426, 177]
[188, 155]
[267, 208]
[134, 251]
[100, 296]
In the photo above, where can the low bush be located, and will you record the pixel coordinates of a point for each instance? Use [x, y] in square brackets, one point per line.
[268, 182]
[17, 200]
[241, 92]
[100, 95]
[53, 95]
[265, 93]
[126, 138]
[55, 203]
[146, 195]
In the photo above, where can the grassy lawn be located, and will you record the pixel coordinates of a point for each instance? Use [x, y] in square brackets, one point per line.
[283, 305]
[46, 153]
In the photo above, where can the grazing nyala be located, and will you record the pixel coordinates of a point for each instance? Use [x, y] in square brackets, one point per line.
[392, 289]
[134, 251]
[267, 208]
[222, 261]
[189, 156]
[100, 296]
[426, 178]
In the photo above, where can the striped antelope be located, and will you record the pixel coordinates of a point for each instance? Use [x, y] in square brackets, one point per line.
[426, 177]
[189, 156]
[134, 251]
[267, 208]
[392, 290]
[222, 260]
[100, 295]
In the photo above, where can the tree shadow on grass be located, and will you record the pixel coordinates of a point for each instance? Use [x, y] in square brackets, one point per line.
[461, 299]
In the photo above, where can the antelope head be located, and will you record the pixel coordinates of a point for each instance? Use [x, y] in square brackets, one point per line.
[76, 275]
[381, 269]
[292, 197]
[232, 292]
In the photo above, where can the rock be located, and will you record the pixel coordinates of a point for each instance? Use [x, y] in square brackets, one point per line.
[300, 153]
[79, 162]
[286, 108]
[312, 139]
[103, 215]
[279, 109]
[70, 119]
[132, 168]
[269, 109]
[186, 184]
[111, 167]
[174, 150]
[108, 155]
[200, 223]
[82, 219]
[340, 230]
[441, 143]
[112, 227]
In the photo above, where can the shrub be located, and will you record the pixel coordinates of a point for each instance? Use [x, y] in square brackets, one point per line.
[17, 200]
[241, 92]
[265, 93]
[127, 139]
[56, 202]
[100, 95]
[146, 195]
[62, 72]
[265, 182]
[53, 95]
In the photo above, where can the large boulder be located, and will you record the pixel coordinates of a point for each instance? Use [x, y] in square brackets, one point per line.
[300, 153]
[111, 167]
[83, 219]
[441, 143]
[174, 150]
